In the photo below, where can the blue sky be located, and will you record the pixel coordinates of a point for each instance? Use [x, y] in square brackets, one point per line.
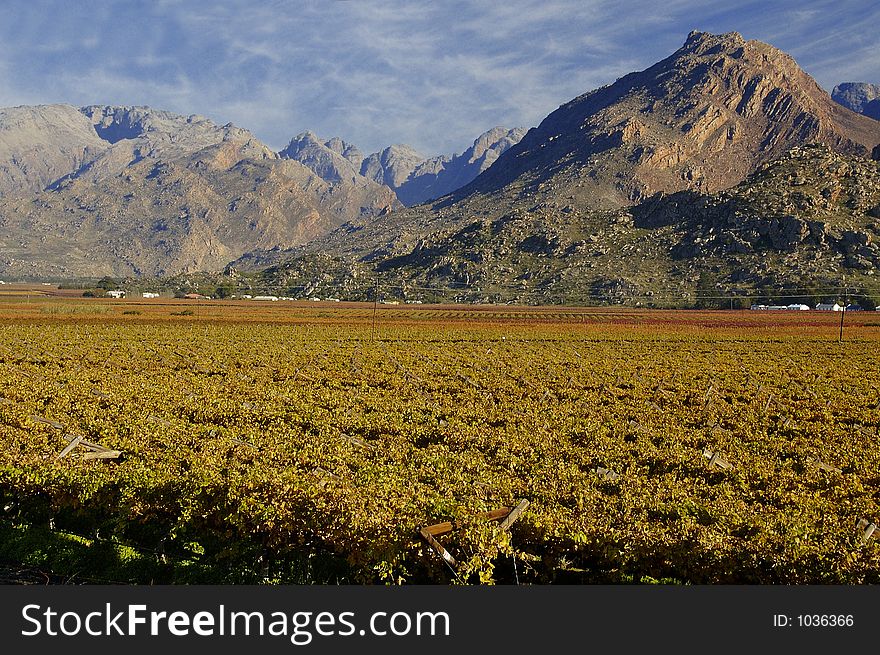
[375, 72]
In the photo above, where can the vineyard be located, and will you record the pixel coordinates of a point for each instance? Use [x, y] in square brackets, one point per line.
[299, 444]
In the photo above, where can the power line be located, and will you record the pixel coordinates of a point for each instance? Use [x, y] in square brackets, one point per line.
[556, 288]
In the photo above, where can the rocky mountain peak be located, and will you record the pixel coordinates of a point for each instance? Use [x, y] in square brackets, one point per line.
[439, 176]
[392, 166]
[300, 142]
[400, 167]
[351, 152]
[333, 160]
[860, 97]
[41, 144]
[703, 119]
[117, 123]
[496, 140]
[855, 95]
[699, 42]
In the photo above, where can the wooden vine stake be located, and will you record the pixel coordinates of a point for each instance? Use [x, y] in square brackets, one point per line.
[73, 444]
[428, 535]
[606, 474]
[513, 515]
[867, 529]
[716, 460]
[823, 466]
[506, 515]
[96, 451]
[54, 424]
[357, 441]
[708, 399]
[325, 476]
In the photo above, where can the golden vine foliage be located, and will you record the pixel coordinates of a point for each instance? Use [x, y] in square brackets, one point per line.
[306, 451]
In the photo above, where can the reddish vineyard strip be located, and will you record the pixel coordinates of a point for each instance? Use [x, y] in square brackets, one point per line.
[263, 440]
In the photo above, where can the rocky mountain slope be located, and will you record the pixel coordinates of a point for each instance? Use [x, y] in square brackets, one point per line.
[702, 120]
[572, 210]
[439, 176]
[413, 177]
[794, 229]
[40, 145]
[136, 191]
[860, 97]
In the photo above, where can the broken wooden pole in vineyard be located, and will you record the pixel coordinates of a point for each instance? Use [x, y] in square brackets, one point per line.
[716, 460]
[325, 476]
[54, 424]
[357, 441]
[97, 450]
[866, 528]
[606, 474]
[243, 442]
[823, 466]
[69, 447]
[514, 514]
[506, 515]
[103, 454]
[429, 538]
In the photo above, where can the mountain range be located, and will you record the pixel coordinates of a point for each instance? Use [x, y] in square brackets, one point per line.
[558, 214]
[860, 97]
[725, 162]
[135, 191]
[801, 223]
[413, 177]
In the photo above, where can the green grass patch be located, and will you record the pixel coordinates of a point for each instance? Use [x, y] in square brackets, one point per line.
[90, 560]
[63, 309]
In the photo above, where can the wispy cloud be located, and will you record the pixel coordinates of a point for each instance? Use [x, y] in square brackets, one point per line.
[432, 74]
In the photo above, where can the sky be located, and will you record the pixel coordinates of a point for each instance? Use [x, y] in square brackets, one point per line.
[432, 74]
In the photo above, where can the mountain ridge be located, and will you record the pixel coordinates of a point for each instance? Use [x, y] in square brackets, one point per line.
[138, 191]
[860, 97]
[699, 122]
[701, 119]
[161, 193]
[413, 177]
[798, 225]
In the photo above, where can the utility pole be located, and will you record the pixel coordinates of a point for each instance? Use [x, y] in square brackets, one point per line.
[843, 311]
[375, 307]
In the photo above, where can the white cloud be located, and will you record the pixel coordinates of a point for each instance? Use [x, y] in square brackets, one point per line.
[433, 74]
